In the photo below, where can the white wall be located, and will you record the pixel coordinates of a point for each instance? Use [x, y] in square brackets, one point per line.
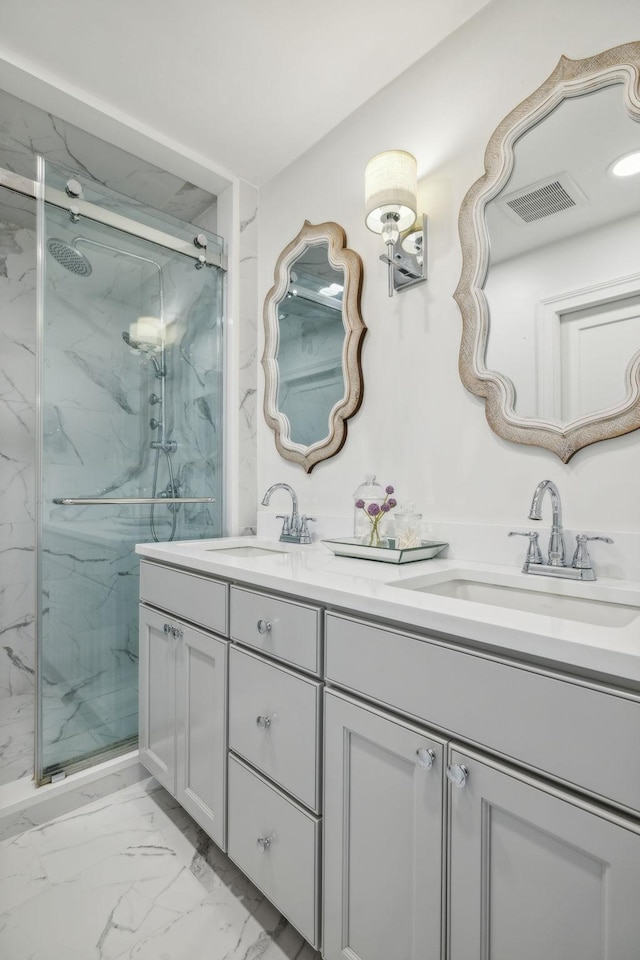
[418, 428]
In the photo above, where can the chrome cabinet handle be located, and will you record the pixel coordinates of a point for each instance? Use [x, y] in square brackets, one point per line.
[175, 632]
[263, 626]
[426, 757]
[263, 722]
[263, 843]
[457, 774]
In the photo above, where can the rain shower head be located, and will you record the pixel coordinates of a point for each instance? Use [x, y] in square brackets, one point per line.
[69, 257]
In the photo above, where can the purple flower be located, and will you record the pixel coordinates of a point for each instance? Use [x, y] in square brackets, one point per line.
[385, 507]
[373, 509]
[392, 503]
[360, 504]
[389, 489]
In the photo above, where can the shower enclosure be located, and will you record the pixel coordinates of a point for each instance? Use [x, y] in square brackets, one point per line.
[130, 444]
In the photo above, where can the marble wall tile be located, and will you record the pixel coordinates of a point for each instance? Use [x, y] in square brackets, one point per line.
[26, 130]
[248, 360]
[17, 719]
[17, 552]
[17, 639]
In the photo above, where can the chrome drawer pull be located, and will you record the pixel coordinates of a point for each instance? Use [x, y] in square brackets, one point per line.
[263, 626]
[263, 843]
[457, 774]
[426, 757]
[264, 722]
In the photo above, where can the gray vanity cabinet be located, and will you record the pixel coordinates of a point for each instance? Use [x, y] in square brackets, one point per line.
[533, 870]
[535, 874]
[383, 836]
[183, 710]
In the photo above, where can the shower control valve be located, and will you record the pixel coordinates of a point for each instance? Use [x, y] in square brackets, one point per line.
[154, 424]
[154, 398]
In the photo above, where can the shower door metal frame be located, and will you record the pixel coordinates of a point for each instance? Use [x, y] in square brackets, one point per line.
[41, 193]
[91, 211]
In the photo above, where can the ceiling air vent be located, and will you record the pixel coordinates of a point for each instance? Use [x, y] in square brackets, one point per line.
[543, 199]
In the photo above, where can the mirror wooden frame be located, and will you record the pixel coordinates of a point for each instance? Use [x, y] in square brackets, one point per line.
[350, 263]
[569, 79]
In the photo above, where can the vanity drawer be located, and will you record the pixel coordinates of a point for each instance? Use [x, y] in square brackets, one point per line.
[198, 599]
[280, 628]
[581, 734]
[274, 723]
[288, 870]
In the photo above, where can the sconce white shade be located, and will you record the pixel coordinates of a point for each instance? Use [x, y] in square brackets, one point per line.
[391, 186]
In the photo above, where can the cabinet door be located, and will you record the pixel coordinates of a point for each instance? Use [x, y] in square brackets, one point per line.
[383, 836]
[157, 698]
[201, 729]
[534, 874]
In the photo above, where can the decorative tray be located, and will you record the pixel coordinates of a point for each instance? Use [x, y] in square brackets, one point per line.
[351, 547]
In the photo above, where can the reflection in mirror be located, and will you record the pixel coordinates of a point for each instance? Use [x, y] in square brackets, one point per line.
[313, 337]
[310, 348]
[550, 290]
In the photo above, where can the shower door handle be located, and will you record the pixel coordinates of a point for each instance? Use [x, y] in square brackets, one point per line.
[107, 501]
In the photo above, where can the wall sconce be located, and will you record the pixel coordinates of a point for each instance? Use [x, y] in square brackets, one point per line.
[391, 189]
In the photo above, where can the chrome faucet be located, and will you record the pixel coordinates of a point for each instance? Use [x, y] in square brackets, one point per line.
[556, 551]
[556, 565]
[295, 528]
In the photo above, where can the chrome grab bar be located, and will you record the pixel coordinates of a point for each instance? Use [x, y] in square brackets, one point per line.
[107, 501]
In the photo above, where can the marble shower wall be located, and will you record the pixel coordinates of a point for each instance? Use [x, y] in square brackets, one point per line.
[248, 361]
[17, 482]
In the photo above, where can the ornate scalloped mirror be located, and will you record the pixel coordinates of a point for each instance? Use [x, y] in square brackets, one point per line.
[313, 339]
[550, 284]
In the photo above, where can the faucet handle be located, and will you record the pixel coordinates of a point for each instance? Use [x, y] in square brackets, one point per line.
[305, 535]
[286, 520]
[581, 559]
[533, 552]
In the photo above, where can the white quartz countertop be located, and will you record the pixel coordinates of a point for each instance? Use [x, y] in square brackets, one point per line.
[373, 589]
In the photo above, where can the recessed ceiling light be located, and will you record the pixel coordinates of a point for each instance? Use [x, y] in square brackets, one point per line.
[627, 166]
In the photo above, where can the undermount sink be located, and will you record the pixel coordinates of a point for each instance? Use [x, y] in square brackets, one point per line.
[246, 551]
[471, 586]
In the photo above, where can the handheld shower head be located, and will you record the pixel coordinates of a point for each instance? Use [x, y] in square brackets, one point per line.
[134, 344]
[145, 349]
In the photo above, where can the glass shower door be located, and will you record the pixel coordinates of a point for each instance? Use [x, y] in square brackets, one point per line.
[131, 410]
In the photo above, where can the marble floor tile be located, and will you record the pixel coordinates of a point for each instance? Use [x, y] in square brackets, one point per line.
[133, 876]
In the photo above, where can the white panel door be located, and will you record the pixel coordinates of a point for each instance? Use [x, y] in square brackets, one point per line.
[534, 875]
[383, 836]
[201, 729]
[157, 698]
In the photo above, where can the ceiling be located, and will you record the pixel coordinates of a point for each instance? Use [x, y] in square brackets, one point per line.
[243, 86]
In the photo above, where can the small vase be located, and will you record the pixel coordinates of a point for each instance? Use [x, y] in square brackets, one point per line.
[375, 536]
